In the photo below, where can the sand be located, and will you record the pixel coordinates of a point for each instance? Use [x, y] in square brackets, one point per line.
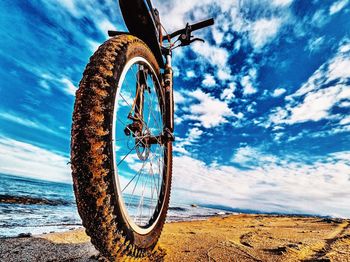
[230, 238]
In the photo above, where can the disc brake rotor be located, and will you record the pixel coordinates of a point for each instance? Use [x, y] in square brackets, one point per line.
[142, 147]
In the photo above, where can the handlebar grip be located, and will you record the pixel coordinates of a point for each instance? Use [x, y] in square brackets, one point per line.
[202, 24]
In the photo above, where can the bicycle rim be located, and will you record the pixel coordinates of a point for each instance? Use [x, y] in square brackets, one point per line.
[139, 169]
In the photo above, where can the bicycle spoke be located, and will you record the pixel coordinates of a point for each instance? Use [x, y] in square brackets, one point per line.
[134, 176]
[133, 191]
[151, 171]
[140, 206]
[128, 153]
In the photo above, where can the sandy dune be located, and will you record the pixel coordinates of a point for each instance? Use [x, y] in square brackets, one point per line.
[232, 238]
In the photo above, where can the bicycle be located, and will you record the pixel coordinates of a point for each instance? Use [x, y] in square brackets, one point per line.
[122, 133]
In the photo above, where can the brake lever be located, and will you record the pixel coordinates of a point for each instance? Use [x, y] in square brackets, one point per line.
[197, 39]
[185, 38]
[185, 42]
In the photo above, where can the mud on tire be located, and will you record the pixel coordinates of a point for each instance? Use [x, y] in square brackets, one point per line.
[92, 153]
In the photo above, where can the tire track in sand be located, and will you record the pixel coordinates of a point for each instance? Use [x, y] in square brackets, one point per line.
[320, 253]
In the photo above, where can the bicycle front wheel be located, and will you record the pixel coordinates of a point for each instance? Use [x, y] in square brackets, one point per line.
[121, 165]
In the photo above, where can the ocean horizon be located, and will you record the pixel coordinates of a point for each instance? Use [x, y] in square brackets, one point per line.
[34, 206]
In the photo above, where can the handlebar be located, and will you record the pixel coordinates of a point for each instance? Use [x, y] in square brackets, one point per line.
[202, 24]
[193, 27]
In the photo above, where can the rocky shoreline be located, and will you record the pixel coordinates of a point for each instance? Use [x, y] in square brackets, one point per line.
[26, 200]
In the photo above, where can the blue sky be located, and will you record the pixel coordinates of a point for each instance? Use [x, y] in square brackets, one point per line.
[262, 108]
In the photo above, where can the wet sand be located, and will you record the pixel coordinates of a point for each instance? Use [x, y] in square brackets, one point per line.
[231, 238]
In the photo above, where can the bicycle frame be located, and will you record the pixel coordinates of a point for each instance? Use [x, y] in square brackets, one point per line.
[143, 21]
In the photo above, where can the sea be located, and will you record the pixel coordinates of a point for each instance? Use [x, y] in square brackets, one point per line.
[50, 207]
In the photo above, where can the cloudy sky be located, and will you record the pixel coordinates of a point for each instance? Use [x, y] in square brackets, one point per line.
[262, 108]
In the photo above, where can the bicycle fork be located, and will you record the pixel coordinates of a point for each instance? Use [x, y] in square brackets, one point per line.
[169, 99]
[136, 127]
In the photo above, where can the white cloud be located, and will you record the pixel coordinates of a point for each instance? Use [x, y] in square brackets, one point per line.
[277, 116]
[19, 120]
[248, 87]
[209, 80]
[228, 93]
[337, 6]
[344, 48]
[218, 36]
[179, 148]
[263, 31]
[278, 92]
[239, 115]
[70, 7]
[344, 104]
[217, 56]
[237, 45]
[105, 25]
[251, 157]
[71, 10]
[315, 99]
[320, 18]
[93, 45]
[176, 71]
[224, 74]
[314, 45]
[248, 82]
[195, 11]
[209, 112]
[277, 128]
[339, 68]
[229, 16]
[179, 10]
[278, 186]
[307, 133]
[194, 134]
[251, 108]
[49, 80]
[23, 159]
[69, 88]
[190, 74]
[44, 84]
[334, 69]
[244, 154]
[345, 121]
[315, 106]
[179, 98]
[283, 3]
[29, 122]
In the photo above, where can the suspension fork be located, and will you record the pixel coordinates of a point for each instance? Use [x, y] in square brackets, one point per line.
[169, 98]
[140, 89]
[137, 125]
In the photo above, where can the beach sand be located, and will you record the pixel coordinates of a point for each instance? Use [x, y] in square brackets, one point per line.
[228, 238]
